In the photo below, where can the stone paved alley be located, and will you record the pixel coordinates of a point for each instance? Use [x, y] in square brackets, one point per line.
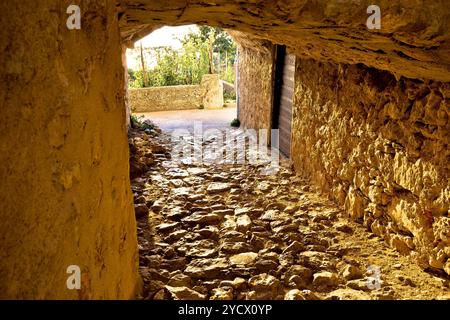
[222, 231]
[185, 119]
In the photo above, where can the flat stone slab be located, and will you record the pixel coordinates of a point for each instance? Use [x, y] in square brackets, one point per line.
[217, 187]
[197, 171]
[243, 258]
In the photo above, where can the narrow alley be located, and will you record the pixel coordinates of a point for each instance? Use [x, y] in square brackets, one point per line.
[225, 150]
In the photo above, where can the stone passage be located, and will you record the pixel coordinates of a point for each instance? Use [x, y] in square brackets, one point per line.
[227, 232]
[65, 193]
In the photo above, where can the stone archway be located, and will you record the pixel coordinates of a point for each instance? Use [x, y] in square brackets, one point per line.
[409, 43]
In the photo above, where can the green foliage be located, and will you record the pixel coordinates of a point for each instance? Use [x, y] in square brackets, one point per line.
[235, 123]
[131, 75]
[135, 79]
[221, 41]
[187, 66]
[229, 96]
[136, 121]
[229, 74]
[140, 123]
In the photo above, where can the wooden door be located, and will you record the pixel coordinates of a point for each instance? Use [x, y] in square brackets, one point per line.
[283, 99]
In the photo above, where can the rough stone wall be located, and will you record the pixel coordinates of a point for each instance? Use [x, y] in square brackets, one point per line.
[125, 87]
[380, 147]
[65, 195]
[256, 86]
[165, 98]
[228, 87]
[414, 39]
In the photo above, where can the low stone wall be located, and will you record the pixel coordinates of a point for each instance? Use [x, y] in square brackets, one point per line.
[228, 87]
[165, 98]
[208, 95]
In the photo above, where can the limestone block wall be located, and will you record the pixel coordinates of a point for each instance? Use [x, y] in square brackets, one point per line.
[380, 147]
[256, 85]
[208, 95]
[65, 195]
[165, 98]
[212, 91]
[228, 87]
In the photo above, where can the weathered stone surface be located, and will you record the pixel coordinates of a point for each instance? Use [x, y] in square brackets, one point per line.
[294, 294]
[222, 294]
[258, 94]
[376, 143]
[217, 187]
[167, 227]
[176, 235]
[208, 94]
[235, 247]
[212, 91]
[294, 247]
[265, 286]
[246, 258]
[180, 280]
[298, 276]
[198, 218]
[177, 173]
[184, 293]
[237, 283]
[400, 244]
[325, 279]
[197, 171]
[165, 98]
[65, 178]
[347, 294]
[278, 253]
[140, 210]
[359, 284]
[324, 30]
[206, 268]
[394, 169]
[343, 227]
[317, 260]
[243, 223]
[351, 272]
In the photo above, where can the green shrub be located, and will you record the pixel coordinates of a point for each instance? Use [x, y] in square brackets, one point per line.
[188, 65]
[227, 96]
[235, 123]
[138, 122]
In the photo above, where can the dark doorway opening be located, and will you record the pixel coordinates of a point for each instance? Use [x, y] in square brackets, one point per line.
[283, 97]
